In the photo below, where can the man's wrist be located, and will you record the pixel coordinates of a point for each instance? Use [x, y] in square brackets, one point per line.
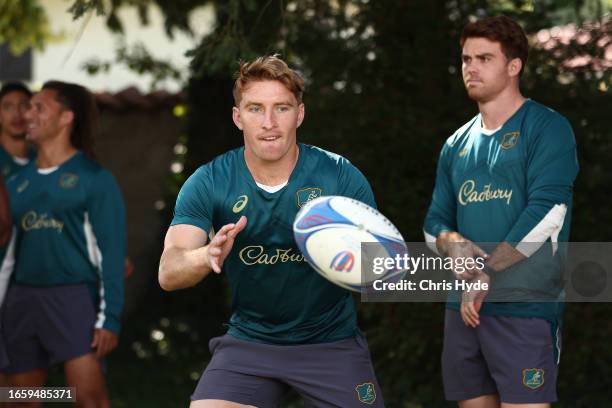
[444, 238]
[489, 269]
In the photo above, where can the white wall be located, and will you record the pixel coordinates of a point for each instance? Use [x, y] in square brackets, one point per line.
[60, 61]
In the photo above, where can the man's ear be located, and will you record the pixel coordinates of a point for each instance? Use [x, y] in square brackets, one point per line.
[236, 117]
[66, 118]
[514, 67]
[301, 113]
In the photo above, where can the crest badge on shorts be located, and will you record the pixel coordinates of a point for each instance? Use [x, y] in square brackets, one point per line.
[366, 393]
[533, 378]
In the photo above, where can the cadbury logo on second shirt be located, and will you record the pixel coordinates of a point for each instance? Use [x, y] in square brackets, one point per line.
[468, 193]
[34, 221]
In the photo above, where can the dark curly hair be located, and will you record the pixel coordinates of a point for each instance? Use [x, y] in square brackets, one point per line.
[503, 30]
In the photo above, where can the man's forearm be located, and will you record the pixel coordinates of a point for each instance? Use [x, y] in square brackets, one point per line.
[182, 268]
[503, 257]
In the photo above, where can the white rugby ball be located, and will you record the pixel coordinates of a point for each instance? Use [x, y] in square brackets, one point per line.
[329, 232]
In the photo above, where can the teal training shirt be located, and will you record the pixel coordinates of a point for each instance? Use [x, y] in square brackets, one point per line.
[277, 297]
[70, 227]
[10, 165]
[514, 185]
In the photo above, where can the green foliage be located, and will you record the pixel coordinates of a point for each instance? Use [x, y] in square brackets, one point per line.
[242, 31]
[80, 7]
[139, 60]
[23, 24]
[175, 12]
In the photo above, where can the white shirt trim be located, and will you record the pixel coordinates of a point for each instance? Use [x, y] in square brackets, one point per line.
[272, 189]
[48, 170]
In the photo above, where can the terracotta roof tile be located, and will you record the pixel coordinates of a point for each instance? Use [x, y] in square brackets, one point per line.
[132, 99]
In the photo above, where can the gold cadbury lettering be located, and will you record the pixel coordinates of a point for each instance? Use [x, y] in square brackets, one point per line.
[468, 193]
[255, 255]
[31, 221]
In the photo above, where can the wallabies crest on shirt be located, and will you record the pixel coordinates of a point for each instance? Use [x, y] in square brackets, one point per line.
[307, 194]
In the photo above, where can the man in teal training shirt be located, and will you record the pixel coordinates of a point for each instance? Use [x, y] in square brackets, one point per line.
[15, 153]
[289, 326]
[504, 178]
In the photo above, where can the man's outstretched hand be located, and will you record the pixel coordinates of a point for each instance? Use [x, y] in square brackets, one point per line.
[221, 244]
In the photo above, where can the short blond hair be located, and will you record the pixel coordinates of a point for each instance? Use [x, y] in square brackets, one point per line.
[268, 68]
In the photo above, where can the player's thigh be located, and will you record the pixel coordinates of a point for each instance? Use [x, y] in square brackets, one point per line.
[507, 405]
[522, 357]
[465, 373]
[336, 374]
[33, 378]
[484, 401]
[217, 404]
[85, 374]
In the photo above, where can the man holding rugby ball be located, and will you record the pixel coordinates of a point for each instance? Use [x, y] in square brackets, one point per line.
[289, 326]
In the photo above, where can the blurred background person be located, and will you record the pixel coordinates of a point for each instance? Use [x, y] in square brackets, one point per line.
[69, 250]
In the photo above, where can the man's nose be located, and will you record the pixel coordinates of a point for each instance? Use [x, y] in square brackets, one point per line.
[269, 121]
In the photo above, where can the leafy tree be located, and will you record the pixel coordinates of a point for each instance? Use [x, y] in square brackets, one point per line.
[23, 24]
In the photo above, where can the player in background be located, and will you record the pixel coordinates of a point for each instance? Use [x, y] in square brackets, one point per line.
[289, 326]
[69, 250]
[14, 155]
[14, 150]
[505, 177]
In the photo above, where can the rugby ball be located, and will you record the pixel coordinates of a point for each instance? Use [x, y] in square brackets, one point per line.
[330, 230]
